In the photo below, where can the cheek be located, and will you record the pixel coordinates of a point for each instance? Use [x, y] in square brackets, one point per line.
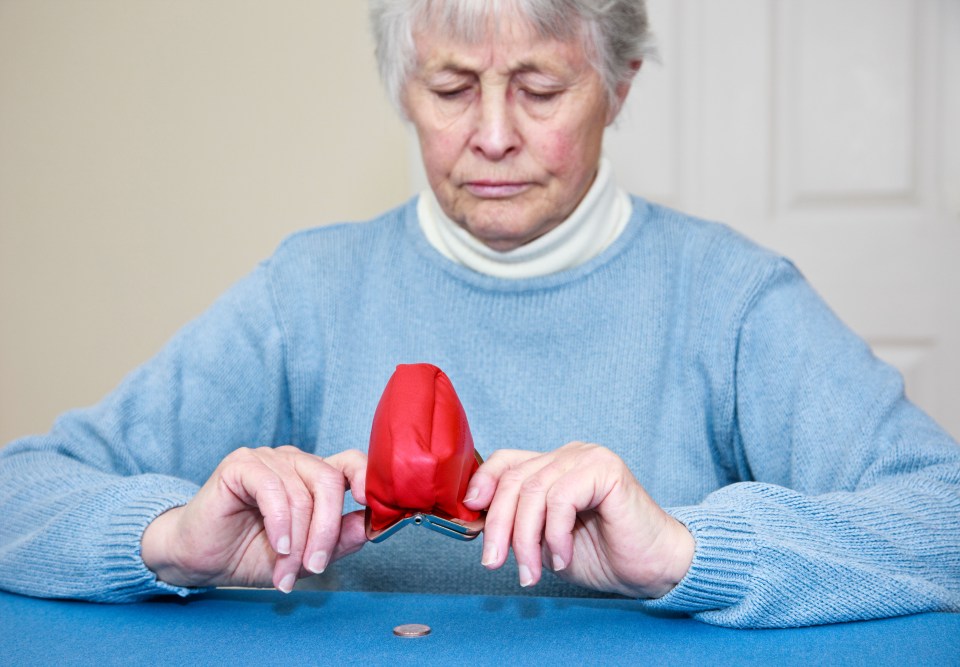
[435, 153]
[440, 150]
[564, 153]
[555, 149]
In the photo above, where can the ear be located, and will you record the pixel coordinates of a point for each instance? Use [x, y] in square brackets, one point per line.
[623, 89]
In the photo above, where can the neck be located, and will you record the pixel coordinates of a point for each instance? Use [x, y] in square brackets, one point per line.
[596, 223]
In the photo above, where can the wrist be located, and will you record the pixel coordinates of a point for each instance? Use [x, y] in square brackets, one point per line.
[679, 559]
[158, 553]
[669, 561]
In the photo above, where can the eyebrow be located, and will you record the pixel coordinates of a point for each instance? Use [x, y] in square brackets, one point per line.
[523, 67]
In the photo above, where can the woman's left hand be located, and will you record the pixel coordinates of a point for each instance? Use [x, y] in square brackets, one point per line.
[580, 511]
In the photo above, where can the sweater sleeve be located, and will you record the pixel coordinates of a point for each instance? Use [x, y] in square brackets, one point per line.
[850, 504]
[75, 502]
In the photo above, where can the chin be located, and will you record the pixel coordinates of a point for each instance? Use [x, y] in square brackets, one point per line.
[502, 229]
[499, 236]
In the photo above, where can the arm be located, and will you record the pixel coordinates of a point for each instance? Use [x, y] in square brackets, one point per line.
[76, 502]
[852, 505]
[579, 511]
[851, 508]
[265, 517]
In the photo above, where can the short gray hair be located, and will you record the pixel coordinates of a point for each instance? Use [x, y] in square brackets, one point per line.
[616, 33]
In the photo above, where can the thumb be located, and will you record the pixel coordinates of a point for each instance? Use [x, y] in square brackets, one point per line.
[484, 482]
[352, 464]
[352, 535]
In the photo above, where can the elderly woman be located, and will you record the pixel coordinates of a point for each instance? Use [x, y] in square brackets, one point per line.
[756, 465]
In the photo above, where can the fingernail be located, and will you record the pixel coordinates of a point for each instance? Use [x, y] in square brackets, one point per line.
[490, 556]
[286, 584]
[318, 562]
[558, 563]
[525, 577]
[283, 545]
[471, 495]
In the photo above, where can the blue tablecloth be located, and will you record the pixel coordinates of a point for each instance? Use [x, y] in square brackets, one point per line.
[245, 627]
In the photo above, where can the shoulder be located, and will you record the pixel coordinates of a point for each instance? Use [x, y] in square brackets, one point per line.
[337, 254]
[343, 241]
[711, 257]
[695, 237]
[329, 267]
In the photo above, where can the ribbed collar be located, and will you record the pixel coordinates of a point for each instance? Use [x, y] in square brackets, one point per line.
[595, 224]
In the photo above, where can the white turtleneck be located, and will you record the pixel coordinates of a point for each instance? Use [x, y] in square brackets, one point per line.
[596, 223]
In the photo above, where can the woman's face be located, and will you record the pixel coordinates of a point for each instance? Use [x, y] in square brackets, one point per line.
[510, 129]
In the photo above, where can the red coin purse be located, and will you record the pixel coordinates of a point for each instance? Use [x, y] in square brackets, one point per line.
[421, 457]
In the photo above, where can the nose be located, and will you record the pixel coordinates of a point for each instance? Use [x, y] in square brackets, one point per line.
[495, 136]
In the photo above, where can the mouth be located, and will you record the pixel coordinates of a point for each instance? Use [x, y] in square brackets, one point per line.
[484, 189]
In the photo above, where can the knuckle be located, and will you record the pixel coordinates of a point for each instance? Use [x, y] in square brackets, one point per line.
[239, 455]
[533, 486]
[495, 456]
[513, 477]
[300, 501]
[557, 498]
[554, 535]
[502, 456]
[600, 455]
[278, 517]
[575, 444]
[329, 483]
[326, 478]
[272, 485]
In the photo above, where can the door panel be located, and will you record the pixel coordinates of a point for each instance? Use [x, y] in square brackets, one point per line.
[827, 131]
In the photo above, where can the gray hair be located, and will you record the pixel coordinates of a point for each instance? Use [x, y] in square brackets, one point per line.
[616, 33]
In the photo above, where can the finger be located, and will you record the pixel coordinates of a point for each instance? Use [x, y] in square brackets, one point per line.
[353, 535]
[352, 464]
[509, 470]
[562, 507]
[531, 514]
[528, 530]
[327, 485]
[287, 463]
[257, 485]
[483, 484]
[598, 473]
[352, 538]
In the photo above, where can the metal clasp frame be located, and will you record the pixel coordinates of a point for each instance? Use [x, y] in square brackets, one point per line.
[455, 528]
[445, 525]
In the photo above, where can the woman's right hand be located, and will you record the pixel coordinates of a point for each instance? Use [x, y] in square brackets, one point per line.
[265, 517]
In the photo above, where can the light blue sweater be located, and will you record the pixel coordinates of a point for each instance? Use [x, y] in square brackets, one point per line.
[814, 490]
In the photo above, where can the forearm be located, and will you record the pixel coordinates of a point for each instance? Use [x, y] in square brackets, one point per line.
[850, 502]
[76, 502]
[770, 557]
[71, 531]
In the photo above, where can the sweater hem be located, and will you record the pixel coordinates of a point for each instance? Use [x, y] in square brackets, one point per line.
[723, 562]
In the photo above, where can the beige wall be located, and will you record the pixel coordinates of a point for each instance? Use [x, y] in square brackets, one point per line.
[151, 152]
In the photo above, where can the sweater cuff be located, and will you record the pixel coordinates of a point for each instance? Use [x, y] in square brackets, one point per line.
[128, 576]
[723, 562]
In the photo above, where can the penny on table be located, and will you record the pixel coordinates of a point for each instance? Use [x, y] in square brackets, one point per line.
[412, 630]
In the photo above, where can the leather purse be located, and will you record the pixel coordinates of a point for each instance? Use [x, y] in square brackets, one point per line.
[421, 457]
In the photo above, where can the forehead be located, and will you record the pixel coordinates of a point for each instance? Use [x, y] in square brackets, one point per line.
[476, 20]
[507, 41]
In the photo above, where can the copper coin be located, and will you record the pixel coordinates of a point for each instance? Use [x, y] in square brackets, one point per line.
[412, 630]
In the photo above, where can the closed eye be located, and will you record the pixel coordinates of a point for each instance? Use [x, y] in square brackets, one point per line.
[538, 96]
[451, 94]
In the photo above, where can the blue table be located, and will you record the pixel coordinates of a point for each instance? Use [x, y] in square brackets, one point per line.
[246, 627]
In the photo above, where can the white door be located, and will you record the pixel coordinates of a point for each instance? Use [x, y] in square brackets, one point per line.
[828, 130]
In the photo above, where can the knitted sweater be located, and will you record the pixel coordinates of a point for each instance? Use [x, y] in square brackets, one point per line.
[814, 490]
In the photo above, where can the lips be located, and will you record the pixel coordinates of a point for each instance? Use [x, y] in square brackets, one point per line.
[484, 189]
